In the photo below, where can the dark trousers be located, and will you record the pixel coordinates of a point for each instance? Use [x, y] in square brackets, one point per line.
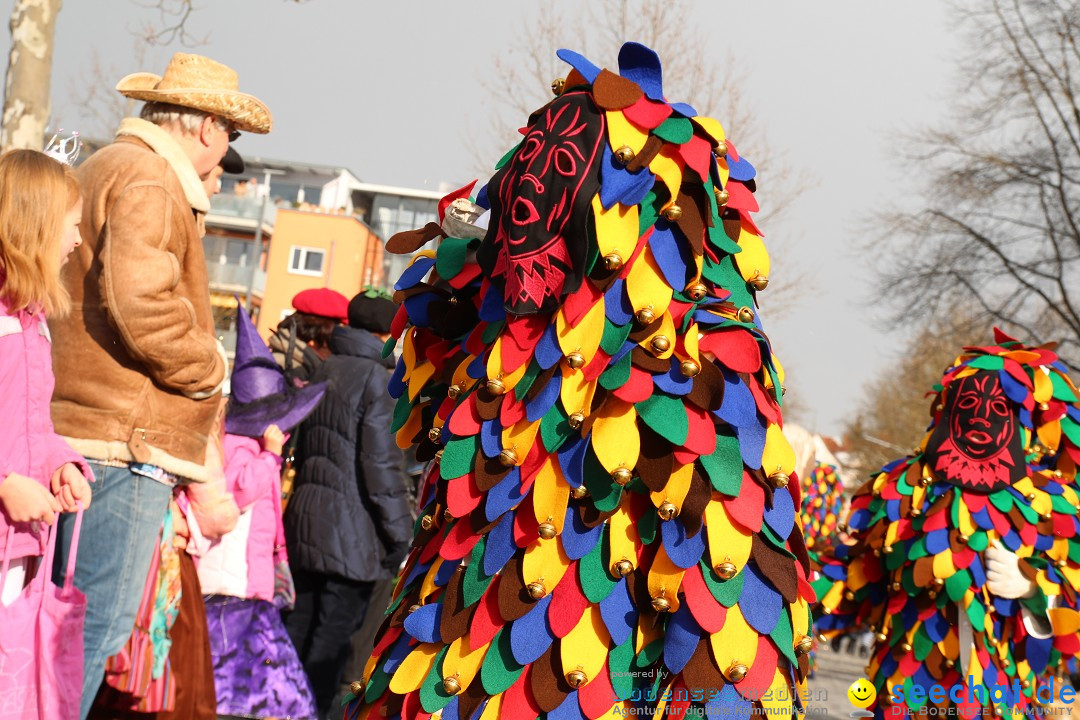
[329, 609]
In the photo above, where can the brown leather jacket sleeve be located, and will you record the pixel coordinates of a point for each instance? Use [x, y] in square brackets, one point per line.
[139, 279]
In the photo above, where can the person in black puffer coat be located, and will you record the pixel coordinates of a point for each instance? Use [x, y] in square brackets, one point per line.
[349, 521]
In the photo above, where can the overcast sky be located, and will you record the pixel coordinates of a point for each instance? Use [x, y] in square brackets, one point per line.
[391, 91]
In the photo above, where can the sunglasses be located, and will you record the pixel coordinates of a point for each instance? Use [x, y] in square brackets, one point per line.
[234, 135]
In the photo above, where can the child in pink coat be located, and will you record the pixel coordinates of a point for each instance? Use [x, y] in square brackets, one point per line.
[257, 673]
[40, 475]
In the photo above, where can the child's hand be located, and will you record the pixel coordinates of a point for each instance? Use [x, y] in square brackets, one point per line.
[26, 500]
[273, 439]
[70, 487]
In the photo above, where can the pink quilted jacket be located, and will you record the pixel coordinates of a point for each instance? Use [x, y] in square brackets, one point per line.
[28, 444]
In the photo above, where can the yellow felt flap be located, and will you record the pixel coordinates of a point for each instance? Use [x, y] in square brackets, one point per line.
[419, 377]
[622, 132]
[728, 541]
[712, 128]
[777, 701]
[428, 587]
[944, 567]
[1050, 434]
[550, 496]
[414, 669]
[369, 666]
[583, 337]
[669, 170]
[616, 229]
[648, 632]
[833, 597]
[950, 644]
[665, 578]
[623, 537]
[1065, 621]
[510, 376]
[576, 392]
[891, 533]
[461, 373]
[736, 643]
[408, 355]
[544, 562]
[615, 438]
[667, 330]
[407, 432]
[646, 286]
[1044, 389]
[690, 343]
[856, 578]
[753, 260]
[676, 488]
[966, 524]
[778, 454]
[800, 618]
[492, 710]
[520, 437]
[461, 661]
[586, 648]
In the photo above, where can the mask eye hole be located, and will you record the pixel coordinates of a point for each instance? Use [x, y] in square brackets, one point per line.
[565, 163]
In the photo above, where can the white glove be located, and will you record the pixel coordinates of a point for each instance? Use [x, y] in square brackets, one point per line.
[1003, 576]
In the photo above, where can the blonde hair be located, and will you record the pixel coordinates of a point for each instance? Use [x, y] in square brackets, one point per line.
[36, 192]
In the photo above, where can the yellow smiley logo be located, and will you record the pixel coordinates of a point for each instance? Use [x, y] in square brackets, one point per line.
[862, 693]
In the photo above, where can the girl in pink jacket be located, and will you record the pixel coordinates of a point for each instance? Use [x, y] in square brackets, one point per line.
[257, 673]
[40, 475]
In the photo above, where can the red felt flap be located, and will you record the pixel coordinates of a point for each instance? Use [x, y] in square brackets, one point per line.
[512, 410]
[760, 676]
[806, 591]
[401, 319]
[685, 457]
[431, 548]
[525, 523]
[740, 197]
[963, 558]
[462, 495]
[519, 340]
[701, 438]
[469, 272]
[736, 348]
[1064, 526]
[597, 697]
[678, 311]
[749, 507]
[411, 708]
[638, 388]
[748, 223]
[708, 613]
[459, 541]
[486, 621]
[534, 460]
[519, 695]
[697, 154]
[647, 114]
[568, 603]
[388, 638]
[474, 344]
[466, 422]
[578, 303]
[597, 366]
[766, 403]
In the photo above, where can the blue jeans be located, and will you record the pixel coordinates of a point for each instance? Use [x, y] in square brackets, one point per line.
[116, 546]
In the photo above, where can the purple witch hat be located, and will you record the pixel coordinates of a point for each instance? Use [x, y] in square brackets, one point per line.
[260, 396]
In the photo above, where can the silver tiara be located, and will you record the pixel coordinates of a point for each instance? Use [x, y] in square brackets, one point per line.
[64, 149]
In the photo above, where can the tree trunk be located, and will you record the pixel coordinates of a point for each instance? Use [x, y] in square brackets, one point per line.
[26, 87]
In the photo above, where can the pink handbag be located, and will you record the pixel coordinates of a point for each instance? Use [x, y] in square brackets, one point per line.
[41, 642]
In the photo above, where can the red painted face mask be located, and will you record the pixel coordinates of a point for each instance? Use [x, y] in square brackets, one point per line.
[536, 244]
[976, 444]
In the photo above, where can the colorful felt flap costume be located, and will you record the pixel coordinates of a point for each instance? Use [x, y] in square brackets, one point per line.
[997, 466]
[609, 521]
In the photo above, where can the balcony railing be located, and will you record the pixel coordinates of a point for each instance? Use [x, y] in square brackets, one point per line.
[245, 207]
[234, 277]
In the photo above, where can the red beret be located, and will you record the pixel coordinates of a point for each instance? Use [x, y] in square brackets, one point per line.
[323, 302]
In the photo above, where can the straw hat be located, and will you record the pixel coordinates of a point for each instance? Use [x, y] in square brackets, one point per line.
[197, 82]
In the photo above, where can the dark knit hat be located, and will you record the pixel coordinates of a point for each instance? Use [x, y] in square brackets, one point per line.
[372, 311]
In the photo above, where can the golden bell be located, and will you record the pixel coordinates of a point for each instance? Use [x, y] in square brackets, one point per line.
[660, 343]
[1025, 683]
[821, 638]
[438, 455]
[963, 538]
[938, 582]
[805, 645]
[622, 475]
[673, 213]
[413, 608]
[625, 154]
[726, 570]
[546, 530]
[950, 664]
[579, 492]
[576, 678]
[558, 85]
[697, 291]
[575, 420]
[645, 315]
[841, 527]
[612, 261]
[759, 282]
[447, 515]
[916, 512]
[896, 586]
[881, 637]
[924, 481]
[849, 595]
[1030, 497]
[1046, 516]
[356, 687]
[622, 568]
[745, 315]
[660, 604]
[537, 590]
[877, 552]
[1043, 406]
[434, 434]
[779, 479]
[887, 549]
[667, 511]
[1060, 563]
[508, 458]
[495, 386]
[453, 391]
[689, 368]
[451, 685]
[722, 197]
[721, 149]
[905, 647]
[426, 522]
[737, 671]
[575, 360]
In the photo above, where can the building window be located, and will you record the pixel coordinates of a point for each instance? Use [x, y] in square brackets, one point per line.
[306, 261]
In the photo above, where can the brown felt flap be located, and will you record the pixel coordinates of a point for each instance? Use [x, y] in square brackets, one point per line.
[707, 391]
[649, 362]
[397, 618]
[541, 382]
[1016, 517]
[514, 599]
[637, 586]
[1027, 570]
[488, 471]
[653, 145]
[613, 92]
[599, 398]
[732, 224]
[547, 682]
[470, 700]
[804, 667]
[935, 663]
[778, 569]
[426, 449]
[637, 334]
[954, 541]
[393, 705]
[590, 516]
[701, 671]
[655, 462]
[797, 545]
[692, 221]
[455, 616]
[905, 506]
[759, 477]
[409, 241]
[923, 572]
[693, 506]
[488, 404]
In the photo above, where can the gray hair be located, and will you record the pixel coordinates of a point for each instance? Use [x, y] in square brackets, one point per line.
[187, 120]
